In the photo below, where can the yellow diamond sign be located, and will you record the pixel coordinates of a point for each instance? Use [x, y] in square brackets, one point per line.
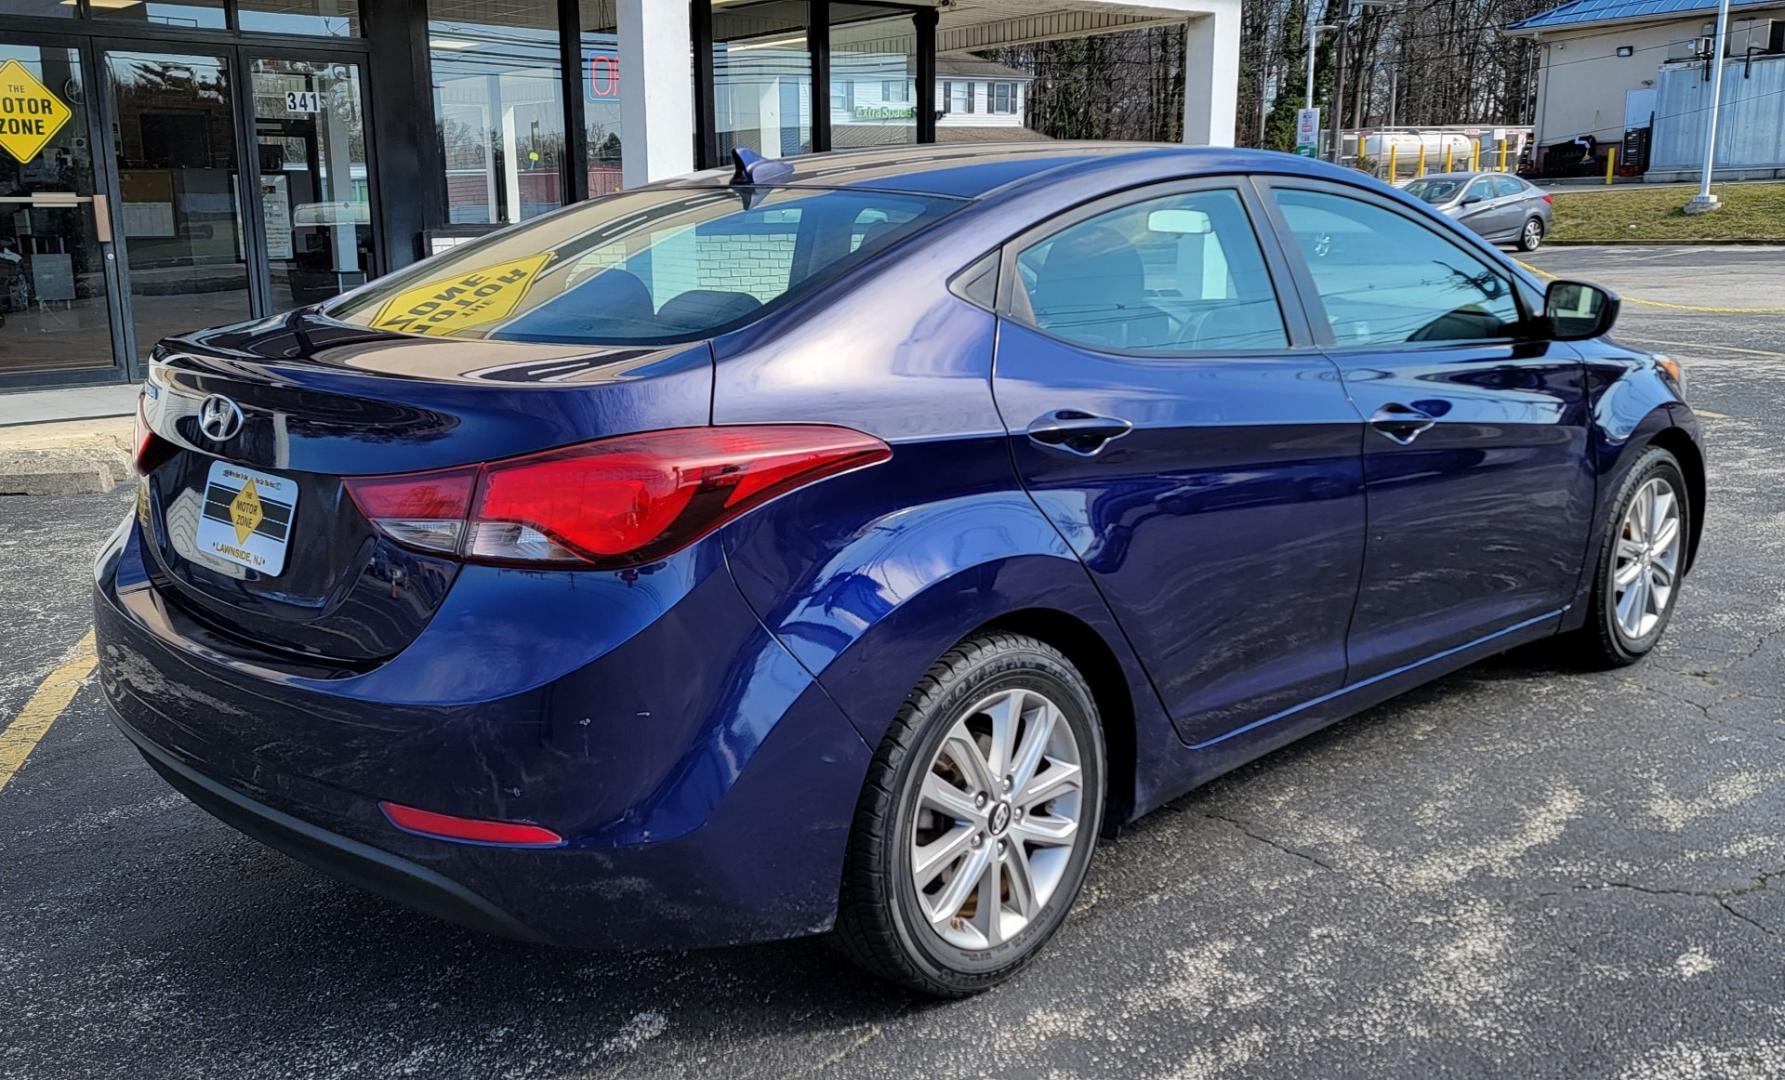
[29, 114]
[245, 512]
[463, 300]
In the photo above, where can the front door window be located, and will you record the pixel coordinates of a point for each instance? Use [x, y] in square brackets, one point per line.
[54, 311]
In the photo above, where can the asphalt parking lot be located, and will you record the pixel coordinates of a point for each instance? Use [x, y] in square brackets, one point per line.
[1518, 871]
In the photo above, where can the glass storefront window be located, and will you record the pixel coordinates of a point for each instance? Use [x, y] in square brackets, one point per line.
[874, 51]
[310, 130]
[762, 78]
[330, 18]
[38, 9]
[185, 14]
[601, 95]
[53, 304]
[499, 107]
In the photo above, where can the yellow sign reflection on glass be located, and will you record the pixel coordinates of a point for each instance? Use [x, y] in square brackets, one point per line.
[475, 297]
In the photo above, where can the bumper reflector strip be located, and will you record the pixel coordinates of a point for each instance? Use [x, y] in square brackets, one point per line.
[468, 830]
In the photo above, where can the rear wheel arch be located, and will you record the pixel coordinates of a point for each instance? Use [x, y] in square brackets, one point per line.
[1081, 644]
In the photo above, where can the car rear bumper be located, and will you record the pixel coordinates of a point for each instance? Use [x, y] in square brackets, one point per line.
[376, 871]
[703, 784]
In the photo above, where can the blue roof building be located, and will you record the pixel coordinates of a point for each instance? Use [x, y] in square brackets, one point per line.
[1602, 62]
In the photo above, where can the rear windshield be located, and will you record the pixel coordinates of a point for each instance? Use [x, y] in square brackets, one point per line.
[644, 267]
[1433, 191]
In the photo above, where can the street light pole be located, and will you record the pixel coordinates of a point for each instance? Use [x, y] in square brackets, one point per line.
[1353, 8]
[1704, 201]
[1335, 122]
[1313, 39]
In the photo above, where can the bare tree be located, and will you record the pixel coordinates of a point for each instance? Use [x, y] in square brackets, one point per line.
[1449, 61]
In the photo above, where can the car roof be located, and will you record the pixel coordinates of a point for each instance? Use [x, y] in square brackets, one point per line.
[1463, 175]
[980, 169]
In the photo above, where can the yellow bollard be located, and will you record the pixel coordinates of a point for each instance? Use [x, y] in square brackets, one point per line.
[1449, 157]
[1475, 155]
[1502, 155]
[1611, 162]
[1392, 148]
[1420, 170]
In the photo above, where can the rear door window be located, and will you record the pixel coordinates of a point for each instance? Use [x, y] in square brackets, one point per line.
[645, 267]
[1508, 185]
[1179, 274]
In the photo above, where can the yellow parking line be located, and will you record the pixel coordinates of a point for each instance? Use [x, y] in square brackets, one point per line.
[20, 737]
[1547, 276]
[1702, 345]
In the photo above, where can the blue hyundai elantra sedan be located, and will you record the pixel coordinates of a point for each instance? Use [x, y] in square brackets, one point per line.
[848, 543]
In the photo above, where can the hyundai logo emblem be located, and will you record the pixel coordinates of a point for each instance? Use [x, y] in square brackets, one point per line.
[219, 418]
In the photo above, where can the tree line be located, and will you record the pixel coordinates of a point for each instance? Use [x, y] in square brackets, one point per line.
[1418, 62]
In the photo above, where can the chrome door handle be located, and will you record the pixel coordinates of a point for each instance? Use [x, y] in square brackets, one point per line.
[1077, 432]
[1402, 423]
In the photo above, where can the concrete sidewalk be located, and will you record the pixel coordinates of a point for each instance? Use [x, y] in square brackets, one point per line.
[73, 403]
[65, 442]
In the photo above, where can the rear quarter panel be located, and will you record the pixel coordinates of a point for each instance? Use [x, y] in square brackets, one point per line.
[869, 577]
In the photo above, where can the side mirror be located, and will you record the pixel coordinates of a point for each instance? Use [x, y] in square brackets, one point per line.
[1470, 200]
[1577, 311]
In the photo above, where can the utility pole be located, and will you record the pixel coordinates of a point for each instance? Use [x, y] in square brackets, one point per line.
[1337, 127]
[1360, 102]
[1352, 9]
[1704, 201]
[1308, 111]
[1313, 40]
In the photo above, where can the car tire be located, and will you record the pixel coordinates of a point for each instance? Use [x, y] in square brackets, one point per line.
[1530, 238]
[1622, 624]
[902, 874]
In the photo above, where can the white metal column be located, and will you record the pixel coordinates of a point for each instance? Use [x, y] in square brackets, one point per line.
[657, 107]
[1212, 76]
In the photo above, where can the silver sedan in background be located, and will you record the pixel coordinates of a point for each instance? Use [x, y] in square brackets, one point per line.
[1499, 206]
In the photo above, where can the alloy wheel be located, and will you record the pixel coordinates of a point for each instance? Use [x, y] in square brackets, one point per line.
[1648, 559]
[997, 819]
[1533, 234]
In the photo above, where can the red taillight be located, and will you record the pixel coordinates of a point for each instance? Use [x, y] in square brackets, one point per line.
[144, 438]
[470, 830]
[425, 510]
[612, 503]
[1548, 199]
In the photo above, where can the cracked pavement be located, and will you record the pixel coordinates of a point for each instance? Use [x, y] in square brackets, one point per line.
[1518, 870]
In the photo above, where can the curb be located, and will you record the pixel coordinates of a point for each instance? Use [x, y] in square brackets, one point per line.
[81, 457]
[1550, 241]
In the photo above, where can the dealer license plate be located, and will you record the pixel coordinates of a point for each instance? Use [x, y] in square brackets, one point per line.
[247, 517]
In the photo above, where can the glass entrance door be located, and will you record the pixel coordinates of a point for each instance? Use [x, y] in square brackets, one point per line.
[55, 296]
[180, 193]
[237, 204]
[315, 194]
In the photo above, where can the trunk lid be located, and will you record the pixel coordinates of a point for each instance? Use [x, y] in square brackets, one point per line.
[292, 566]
